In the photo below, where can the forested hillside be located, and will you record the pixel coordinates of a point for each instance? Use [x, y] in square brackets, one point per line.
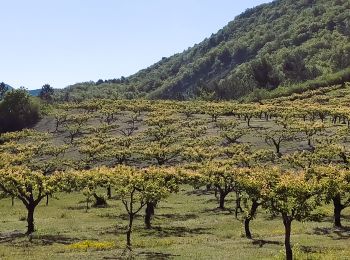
[283, 43]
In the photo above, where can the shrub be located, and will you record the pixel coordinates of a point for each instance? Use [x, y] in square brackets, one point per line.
[17, 111]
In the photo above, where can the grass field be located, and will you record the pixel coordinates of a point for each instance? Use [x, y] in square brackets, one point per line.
[186, 226]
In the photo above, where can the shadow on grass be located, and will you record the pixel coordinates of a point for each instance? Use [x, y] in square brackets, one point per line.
[178, 217]
[10, 236]
[175, 232]
[335, 233]
[78, 207]
[213, 200]
[108, 215]
[262, 242]
[52, 239]
[199, 192]
[155, 255]
[324, 218]
[142, 255]
[126, 216]
[310, 249]
[225, 211]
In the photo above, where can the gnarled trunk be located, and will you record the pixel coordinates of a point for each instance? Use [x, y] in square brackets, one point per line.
[149, 212]
[338, 207]
[222, 200]
[99, 201]
[30, 219]
[247, 220]
[287, 222]
[238, 208]
[109, 192]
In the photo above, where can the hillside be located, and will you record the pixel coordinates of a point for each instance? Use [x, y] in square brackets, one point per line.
[8, 86]
[282, 43]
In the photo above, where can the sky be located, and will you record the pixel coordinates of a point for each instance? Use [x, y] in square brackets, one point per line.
[62, 42]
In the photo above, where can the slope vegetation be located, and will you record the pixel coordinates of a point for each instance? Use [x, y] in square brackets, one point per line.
[283, 43]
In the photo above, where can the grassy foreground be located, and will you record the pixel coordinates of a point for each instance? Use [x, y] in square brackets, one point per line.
[186, 226]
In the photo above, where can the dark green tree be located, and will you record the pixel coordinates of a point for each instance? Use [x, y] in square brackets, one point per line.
[17, 111]
[46, 93]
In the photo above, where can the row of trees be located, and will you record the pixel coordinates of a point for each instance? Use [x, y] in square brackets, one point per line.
[293, 195]
[32, 168]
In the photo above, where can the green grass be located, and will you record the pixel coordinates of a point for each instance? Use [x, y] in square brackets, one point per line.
[186, 226]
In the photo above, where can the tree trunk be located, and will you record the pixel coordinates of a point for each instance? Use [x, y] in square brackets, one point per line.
[247, 220]
[47, 199]
[238, 204]
[99, 201]
[12, 201]
[222, 200]
[278, 149]
[149, 212]
[128, 233]
[208, 187]
[309, 142]
[338, 207]
[287, 221]
[109, 192]
[30, 219]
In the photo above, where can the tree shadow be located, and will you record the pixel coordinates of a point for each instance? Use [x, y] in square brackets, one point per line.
[327, 218]
[34, 239]
[179, 217]
[225, 211]
[262, 242]
[213, 200]
[142, 255]
[10, 236]
[175, 231]
[309, 249]
[156, 255]
[48, 240]
[335, 233]
[108, 215]
[126, 216]
[199, 192]
[77, 207]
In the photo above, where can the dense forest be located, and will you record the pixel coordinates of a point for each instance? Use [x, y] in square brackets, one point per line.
[282, 45]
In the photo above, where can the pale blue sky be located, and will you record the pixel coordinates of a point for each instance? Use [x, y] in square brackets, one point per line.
[62, 42]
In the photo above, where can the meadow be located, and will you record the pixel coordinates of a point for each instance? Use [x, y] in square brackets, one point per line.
[187, 225]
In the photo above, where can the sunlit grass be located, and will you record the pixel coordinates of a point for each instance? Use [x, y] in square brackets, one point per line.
[186, 226]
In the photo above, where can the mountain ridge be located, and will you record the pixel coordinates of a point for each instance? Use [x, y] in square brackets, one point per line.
[33, 92]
